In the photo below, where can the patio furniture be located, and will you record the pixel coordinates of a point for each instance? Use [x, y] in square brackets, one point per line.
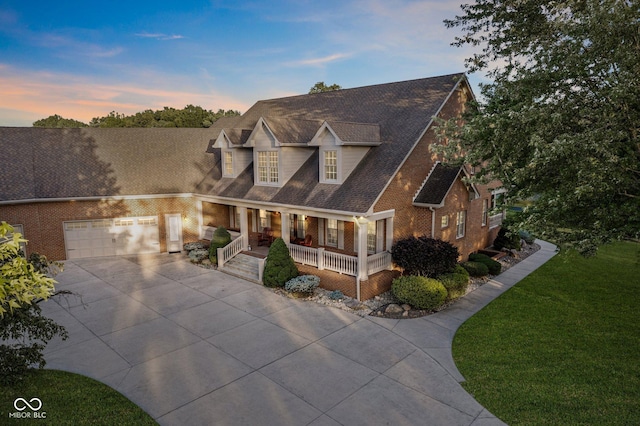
[265, 237]
[308, 241]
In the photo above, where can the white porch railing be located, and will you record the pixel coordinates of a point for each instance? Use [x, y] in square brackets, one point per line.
[337, 262]
[378, 262]
[227, 252]
[303, 254]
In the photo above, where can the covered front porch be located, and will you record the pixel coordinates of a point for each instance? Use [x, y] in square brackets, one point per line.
[354, 248]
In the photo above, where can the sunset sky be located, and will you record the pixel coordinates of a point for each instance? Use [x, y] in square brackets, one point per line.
[84, 59]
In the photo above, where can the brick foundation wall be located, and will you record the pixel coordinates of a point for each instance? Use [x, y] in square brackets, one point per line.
[43, 222]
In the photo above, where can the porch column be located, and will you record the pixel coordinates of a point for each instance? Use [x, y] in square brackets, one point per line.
[284, 226]
[361, 226]
[389, 236]
[244, 227]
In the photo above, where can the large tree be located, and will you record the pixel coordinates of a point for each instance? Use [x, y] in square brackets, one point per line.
[558, 123]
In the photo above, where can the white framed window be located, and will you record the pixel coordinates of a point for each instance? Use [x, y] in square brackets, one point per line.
[331, 165]
[264, 220]
[485, 212]
[444, 221]
[297, 226]
[461, 219]
[371, 237]
[268, 167]
[332, 233]
[228, 163]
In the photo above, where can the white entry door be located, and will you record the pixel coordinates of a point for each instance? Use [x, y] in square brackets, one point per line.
[173, 222]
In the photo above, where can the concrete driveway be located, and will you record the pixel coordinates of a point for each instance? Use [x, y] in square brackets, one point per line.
[196, 346]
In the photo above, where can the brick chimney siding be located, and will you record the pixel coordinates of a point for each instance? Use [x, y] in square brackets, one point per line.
[43, 225]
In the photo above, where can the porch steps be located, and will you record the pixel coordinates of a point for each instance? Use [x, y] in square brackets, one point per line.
[242, 266]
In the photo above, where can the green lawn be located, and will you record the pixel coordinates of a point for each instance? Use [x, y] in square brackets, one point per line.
[562, 347]
[70, 399]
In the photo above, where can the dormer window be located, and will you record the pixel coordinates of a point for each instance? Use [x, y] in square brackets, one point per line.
[228, 163]
[268, 167]
[330, 165]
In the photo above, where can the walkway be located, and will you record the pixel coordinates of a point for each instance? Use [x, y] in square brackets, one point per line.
[195, 346]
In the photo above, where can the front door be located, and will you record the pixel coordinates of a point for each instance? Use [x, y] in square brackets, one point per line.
[173, 223]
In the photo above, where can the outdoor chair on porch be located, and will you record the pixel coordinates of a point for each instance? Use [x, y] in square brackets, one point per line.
[265, 237]
[308, 241]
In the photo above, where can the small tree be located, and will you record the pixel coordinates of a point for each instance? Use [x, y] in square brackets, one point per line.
[425, 256]
[279, 267]
[22, 326]
[221, 237]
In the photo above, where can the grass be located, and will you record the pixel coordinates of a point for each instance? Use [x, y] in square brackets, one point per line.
[562, 346]
[70, 399]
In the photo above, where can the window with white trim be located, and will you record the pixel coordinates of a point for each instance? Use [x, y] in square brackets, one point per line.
[268, 167]
[461, 219]
[331, 165]
[371, 237]
[228, 163]
[444, 221]
[332, 233]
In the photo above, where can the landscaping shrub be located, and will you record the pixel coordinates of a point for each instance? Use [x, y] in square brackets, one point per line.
[494, 266]
[198, 255]
[221, 237]
[336, 295]
[193, 246]
[302, 284]
[419, 292]
[506, 239]
[476, 269]
[455, 282]
[279, 267]
[425, 256]
[526, 236]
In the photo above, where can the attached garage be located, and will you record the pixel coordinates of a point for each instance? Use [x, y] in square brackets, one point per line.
[111, 237]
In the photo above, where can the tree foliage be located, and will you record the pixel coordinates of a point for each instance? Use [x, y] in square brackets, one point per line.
[320, 87]
[190, 116]
[56, 121]
[23, 330]
[559, 122]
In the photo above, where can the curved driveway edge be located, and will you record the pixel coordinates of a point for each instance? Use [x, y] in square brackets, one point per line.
[195, 346]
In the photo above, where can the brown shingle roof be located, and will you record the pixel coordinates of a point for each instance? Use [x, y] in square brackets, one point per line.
[437, 185]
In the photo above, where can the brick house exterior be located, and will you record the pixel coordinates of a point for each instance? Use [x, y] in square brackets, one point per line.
[349, 169]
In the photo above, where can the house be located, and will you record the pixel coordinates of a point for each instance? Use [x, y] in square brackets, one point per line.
[349, 171]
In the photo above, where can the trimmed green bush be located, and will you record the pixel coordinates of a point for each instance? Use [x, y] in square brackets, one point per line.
[476, 269]
[455, 282]
[279, 267]
[419, 292]
[494, 266]
[221, 237]
[506, 239]
[425, 256]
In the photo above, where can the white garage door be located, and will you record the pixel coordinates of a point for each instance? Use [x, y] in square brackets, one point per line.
[109, 237]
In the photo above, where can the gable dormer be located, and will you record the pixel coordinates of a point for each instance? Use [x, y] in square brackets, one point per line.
[234, 157]
[279, 149]
[342, 146]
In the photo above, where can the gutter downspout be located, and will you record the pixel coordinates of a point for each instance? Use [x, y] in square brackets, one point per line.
[433, 222]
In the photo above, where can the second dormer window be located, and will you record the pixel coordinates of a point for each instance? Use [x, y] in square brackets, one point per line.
[228, 163]
[330, 165]
[268, 166]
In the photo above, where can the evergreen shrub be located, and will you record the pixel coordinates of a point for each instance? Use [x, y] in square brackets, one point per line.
[302, 284]
[221, 237]
[279, 267]
[419, 292]
[476, 269]
[455, 282]
[494, 266]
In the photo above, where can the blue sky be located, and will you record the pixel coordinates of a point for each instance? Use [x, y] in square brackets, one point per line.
[84, 59]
